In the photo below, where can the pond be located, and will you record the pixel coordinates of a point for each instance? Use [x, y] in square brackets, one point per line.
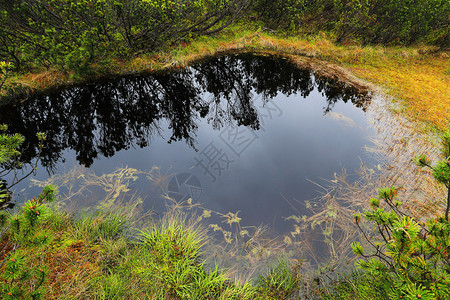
[234, 133]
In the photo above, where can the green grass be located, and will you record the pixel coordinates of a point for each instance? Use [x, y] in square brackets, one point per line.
[280, 281]
[357, 286]
[115, 252]
[100, 255]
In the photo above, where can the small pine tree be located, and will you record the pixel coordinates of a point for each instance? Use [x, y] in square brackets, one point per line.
[441, 170]
[412, 259]
[9, 162]
[21, 275]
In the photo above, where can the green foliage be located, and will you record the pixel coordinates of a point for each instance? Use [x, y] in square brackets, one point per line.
[410, 258]
[286, 14]
[280, 282]
[441, 171]
[100, 225]
[5, 67]
[166, 263]
[408, 20]
[372, 21]
[356, 285]
[20, 230]
[170, 259]
[74, 34]
[446, 144]
[9, 145]
[422, 160]
[22, 275]
[9, 153]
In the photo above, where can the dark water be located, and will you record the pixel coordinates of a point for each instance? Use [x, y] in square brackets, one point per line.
[240, 133]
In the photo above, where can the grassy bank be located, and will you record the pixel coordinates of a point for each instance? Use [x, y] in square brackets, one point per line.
[417, 77]
[103, 255]
[116, 252]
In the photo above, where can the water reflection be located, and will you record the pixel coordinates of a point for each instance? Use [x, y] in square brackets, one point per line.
[102, 118]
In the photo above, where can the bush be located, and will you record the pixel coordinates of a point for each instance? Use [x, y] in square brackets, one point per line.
[10, 163]
[21, 269]
[441, 171]
[71, 35]
[371, 21]
[412, 258]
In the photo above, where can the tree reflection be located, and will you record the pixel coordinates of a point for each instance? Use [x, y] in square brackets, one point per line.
[105, 117]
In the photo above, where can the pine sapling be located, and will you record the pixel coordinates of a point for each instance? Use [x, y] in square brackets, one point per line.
[441, 170]
[412, 259]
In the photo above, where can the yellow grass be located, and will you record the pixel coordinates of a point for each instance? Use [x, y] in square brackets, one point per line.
[417, 77]
[423, 85]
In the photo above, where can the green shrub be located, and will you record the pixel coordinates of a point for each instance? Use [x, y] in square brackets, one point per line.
[411, 258]
[441, 171]
[71, 35]
[23, 274]
[9, 163]
[371, 21]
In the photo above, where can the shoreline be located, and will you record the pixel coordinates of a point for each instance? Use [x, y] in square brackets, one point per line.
[414, 77]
